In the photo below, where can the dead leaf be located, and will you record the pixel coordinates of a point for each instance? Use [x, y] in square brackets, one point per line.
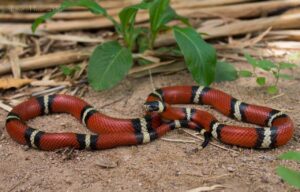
[7, 83]
[15, 61]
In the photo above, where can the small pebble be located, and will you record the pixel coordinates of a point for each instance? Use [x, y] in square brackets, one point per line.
[2, 137]
[106, 163]
[244, 159]
[234, 154]
[267, 157]
[264, 179]
[230, 169]
[25, 147]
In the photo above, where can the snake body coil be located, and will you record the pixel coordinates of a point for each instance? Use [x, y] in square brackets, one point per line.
[275, 128]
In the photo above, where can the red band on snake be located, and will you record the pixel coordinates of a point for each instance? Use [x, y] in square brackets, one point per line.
[275, 127]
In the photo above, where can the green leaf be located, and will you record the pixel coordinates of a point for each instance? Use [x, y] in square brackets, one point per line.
[169, 51]
[287, 65]
[43, 18]
[172, 15]
[148, 1]
[285, 76]
[245, 73]
[265, 65]
[261, 81]
[143, 40]
[272, 89]
[127, 17]
[160, 14]
[291, 155]
[89, 4]
[251, 59]
[108, 65]
[156, 12]
[69, 71]
[225, 72]
[66, 70]
[143, 5]
[290, 176]
[199, 56]
[142, 61]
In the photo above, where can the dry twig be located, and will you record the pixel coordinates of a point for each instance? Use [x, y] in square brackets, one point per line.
[178, 140]
[48, 60]
[214, 144]
[5, 107]
[211, 188]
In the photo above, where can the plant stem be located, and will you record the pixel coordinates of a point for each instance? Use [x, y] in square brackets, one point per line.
[277, 76]
[253, 69]
[116, 24]
[152, 40]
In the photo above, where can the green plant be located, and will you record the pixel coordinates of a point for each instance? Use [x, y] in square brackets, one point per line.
[196, 51]
[110, 61]
[161, 13]
[270, 67]
[69, 71]
[292, 177]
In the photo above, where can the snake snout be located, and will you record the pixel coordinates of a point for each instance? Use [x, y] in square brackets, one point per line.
[154, 106]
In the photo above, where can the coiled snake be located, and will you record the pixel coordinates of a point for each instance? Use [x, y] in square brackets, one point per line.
[274, 127]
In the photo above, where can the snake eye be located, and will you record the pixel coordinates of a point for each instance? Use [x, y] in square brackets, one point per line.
[154, 106]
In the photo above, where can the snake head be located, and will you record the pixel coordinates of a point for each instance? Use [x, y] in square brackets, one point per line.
[155, 106]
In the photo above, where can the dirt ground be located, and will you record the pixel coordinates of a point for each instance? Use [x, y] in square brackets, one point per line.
[158, 166]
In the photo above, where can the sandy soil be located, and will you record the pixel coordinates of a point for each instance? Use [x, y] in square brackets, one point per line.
[158, 166]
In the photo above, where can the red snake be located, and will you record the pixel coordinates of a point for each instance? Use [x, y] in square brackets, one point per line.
[274, 127]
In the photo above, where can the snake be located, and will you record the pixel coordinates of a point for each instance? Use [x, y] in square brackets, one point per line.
[273, 128]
